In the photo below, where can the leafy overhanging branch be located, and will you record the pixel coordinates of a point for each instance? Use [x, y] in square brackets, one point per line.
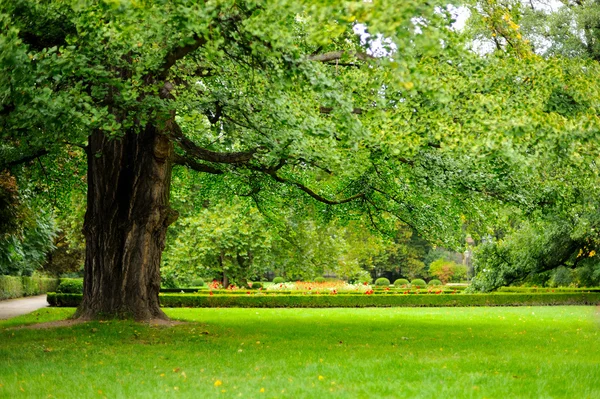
[195, 165]
[203, 154]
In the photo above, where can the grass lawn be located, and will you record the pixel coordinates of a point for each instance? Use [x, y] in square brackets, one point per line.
[501, 352]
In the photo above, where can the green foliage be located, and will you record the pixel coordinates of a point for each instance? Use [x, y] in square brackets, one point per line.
[10, 287]
[24, 251]
[70, 286]
[382, 281]
[401, 282]
[447, 271]
[320, 280]
[418, 283]
[562, 277]
[16, 287]
[360, 277]
[198, 282]
[435, 282]
[255, 285]
[231, 239]
[278, 280]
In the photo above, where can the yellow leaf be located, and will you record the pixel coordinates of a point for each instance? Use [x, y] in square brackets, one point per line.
[162, 375]
[218, 383]
[321, 378]
[262, 390]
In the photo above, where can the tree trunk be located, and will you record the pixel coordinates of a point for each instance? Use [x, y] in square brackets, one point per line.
[125, 224]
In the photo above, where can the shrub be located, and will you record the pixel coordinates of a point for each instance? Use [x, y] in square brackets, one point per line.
[419, 283]
[352, 301]
[278, 280]
[435, 282]
[255, 286]
[198, 283]
[320, 280]
[10, 287]
[401, 282]
[360, 277]
[16, 287]
[70, 286]
[382, 281]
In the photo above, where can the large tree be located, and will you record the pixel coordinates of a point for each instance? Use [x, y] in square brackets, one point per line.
[279, 100]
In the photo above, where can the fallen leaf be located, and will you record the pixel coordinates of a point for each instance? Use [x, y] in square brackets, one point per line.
[321, 378]
[218, 383]
[262, 390]
[176, 370]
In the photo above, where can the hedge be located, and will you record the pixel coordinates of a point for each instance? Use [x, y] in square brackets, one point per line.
[547, 289]
[16, 287]
[353, 300]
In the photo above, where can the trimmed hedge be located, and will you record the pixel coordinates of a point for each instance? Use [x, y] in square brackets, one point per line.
[435, 282]
[70, 286]
[418, 283]
[353, 301]
[278, 280]
[382, 281]
[198, 282]
[16, 287]
[547, 289]
[401, 282]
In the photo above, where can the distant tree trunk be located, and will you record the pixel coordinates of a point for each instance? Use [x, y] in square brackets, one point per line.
[222, 263]
[125, 224]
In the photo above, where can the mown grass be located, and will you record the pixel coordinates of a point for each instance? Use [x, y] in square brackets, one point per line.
[527, 352]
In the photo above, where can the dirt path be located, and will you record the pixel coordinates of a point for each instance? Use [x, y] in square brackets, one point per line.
[16, 307]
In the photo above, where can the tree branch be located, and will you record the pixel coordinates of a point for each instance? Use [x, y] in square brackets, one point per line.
[178, 53]
[328, 110]
[310, 192]
[195, 165]
[24, 159]
[203, 154]
[337, 55]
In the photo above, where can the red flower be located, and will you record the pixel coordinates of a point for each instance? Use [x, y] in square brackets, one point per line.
[248, 292]
[210, 293]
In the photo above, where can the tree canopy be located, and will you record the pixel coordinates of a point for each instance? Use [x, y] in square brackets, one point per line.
[283, 102]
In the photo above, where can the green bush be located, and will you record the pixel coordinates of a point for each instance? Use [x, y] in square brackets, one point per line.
[16, 287]
[198, 282]
[320, 280]
[543, 289]
[435, 282]
[360, 277]
[256, 285]
[278, 280]
[418, 283]
[382, 281]
[401, 282]
[10, 287]
[70, 286]
[353, 301]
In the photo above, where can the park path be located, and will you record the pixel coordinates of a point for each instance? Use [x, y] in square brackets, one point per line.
[16, 307]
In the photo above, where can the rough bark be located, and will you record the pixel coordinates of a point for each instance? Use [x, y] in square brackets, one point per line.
[125, 224]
